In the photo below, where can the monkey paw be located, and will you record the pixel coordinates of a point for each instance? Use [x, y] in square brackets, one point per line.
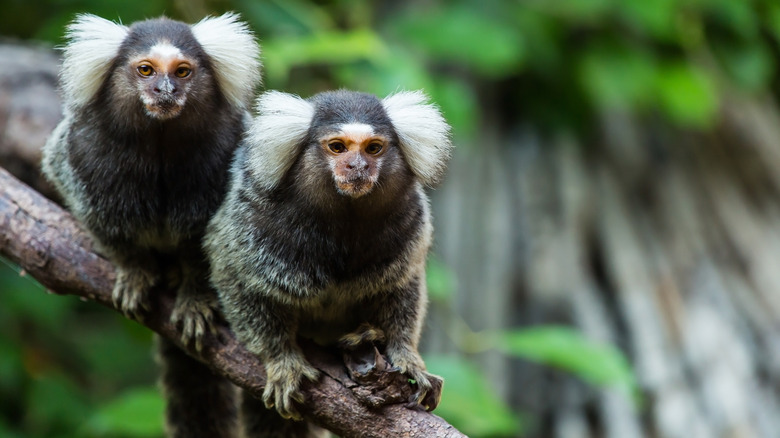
[131, 290]
[194, 314]
[283, 386]
[364, 334]
[429, 386]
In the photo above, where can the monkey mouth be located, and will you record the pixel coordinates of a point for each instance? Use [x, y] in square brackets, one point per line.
[163, 108]
[355, 187]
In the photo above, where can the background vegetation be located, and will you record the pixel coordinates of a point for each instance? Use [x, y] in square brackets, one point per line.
[70, 369]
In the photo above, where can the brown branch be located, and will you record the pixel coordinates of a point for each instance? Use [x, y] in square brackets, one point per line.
[50, 246]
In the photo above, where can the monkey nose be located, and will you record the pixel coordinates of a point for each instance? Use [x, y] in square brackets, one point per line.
[164, 86]
[357, 165]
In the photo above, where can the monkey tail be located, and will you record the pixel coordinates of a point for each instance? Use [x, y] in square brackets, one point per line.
[200, 404]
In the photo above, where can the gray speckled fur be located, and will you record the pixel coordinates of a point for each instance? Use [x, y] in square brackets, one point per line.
[299, 258]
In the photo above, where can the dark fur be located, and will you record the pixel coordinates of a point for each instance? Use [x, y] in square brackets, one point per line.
[301, 259]
[145, 189]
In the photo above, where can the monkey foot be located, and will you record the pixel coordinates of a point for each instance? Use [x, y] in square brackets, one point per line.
[195, 316]
[131, 290]
[380, 382]
[428, 394]
[282, 390]
[364, 335]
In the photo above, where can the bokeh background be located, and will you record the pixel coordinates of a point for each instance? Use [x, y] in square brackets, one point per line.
[607, 257]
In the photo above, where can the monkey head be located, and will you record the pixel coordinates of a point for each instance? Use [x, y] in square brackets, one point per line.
[351, 141]
[159, 67]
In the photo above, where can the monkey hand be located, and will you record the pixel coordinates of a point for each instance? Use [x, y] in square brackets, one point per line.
[429, 386]
[131, 290]
[194, 314]
[283, 386]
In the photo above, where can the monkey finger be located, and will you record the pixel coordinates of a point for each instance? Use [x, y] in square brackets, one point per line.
[286, 408]
[268, 396]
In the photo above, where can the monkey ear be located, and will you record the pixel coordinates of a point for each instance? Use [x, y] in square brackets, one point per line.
[275, 137]
[423, 133]
[93, 42]
[232, 48]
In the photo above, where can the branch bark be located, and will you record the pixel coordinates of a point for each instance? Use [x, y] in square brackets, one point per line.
[51, 246]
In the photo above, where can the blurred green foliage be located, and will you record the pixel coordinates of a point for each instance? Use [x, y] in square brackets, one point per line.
[65, 366]
[69, 368]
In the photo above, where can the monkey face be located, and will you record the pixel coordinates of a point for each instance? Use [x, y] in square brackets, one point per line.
[354, 154]
[163, 78]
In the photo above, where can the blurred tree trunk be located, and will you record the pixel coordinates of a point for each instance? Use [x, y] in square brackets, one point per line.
[661, 241]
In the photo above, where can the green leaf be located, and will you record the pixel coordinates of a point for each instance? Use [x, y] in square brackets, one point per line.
[329, 48]
[54, 403]
[136, 413]
[468, 402]
[567, 349]
[458, 104]
[615, 75]
[11, 367]
[24, 298]
[578, 11]
[739, 16]
[751, 65]
[466, 36]
[440, 280]
[687, 95]
[772, 18]
[655, 18]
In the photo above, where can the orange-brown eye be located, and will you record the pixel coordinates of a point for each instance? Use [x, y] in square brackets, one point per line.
[145, 70]
[374, 148]
[337, 147]
[183, 72]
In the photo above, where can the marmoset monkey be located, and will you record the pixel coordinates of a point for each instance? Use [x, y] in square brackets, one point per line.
[153, 113]
[325, 227]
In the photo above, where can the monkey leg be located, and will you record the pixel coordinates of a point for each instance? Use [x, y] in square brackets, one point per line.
[259, 422]
[400, 315]
[196, 302]
[200, 404]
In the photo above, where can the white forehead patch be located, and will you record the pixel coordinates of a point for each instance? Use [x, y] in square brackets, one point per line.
[357, 129]
[165, 50]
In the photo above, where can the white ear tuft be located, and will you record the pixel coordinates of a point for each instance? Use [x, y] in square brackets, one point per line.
[93, 44]
[423, 133]
[232, 48]
[274, 138]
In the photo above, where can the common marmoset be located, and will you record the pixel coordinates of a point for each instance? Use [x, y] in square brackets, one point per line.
[326, 227]
[153, 113]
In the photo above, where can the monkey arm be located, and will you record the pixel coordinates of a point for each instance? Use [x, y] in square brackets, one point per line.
[268, 329]
[50, 246]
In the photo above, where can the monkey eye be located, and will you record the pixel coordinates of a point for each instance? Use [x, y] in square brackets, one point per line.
[337, 147]
[183, 72]
[145, 70]
[374, 148]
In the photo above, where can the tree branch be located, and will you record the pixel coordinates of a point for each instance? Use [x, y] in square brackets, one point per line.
[51, 246]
